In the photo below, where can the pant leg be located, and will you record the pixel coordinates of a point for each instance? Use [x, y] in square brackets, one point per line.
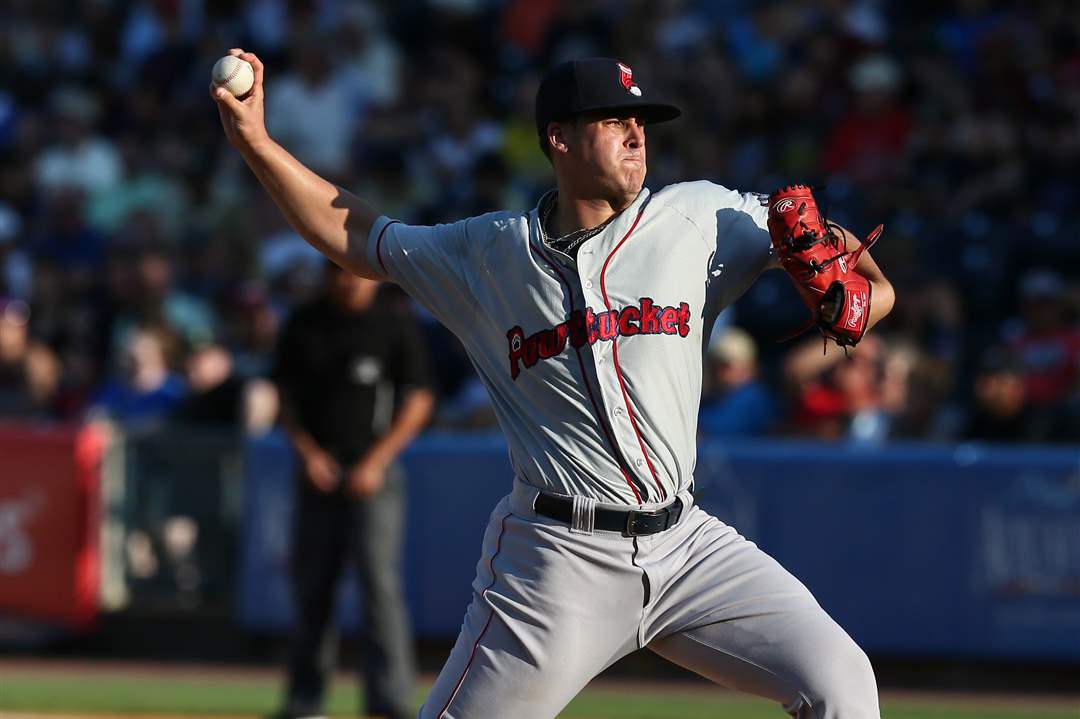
[319, 543]
[735, 616]
[386, 645]
[550, 610]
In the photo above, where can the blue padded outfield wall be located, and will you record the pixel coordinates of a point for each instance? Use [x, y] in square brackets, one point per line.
[915, 549]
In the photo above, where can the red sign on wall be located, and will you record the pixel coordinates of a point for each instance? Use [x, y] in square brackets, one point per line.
[49, 523]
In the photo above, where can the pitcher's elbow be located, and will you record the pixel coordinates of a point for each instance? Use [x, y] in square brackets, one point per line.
[882, 299]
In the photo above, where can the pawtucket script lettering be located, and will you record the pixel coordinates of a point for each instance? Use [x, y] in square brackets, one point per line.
[586, 327]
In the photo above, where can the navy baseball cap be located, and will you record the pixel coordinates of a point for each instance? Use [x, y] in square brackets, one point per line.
[596, 83]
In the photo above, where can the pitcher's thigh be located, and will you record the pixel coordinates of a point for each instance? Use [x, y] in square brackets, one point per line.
[494, 672]
[733, 614]
[794, 654]
[544, 620]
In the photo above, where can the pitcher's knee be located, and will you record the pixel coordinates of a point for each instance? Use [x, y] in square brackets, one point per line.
[845, 687]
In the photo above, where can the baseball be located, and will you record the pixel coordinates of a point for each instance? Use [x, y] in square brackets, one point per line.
[233, 74]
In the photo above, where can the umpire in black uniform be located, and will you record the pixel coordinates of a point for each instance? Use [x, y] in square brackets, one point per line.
[354, 384]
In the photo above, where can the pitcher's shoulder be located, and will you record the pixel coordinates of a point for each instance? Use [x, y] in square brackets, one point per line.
[484, 229]
[698, 192]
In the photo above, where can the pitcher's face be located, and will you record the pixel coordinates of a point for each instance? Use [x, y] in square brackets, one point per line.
[605, 156]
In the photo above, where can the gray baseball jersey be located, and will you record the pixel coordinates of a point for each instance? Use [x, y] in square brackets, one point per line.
[594, 368]
[593, 365]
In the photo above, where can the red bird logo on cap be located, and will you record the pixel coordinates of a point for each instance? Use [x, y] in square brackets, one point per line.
[626, 78]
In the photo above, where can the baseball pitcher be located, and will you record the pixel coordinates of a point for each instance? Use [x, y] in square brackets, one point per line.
[586, 319]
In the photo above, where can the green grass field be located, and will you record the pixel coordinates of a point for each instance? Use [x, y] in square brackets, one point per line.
[206, 692]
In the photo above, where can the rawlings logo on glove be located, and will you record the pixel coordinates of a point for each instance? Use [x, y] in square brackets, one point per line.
[820, 265]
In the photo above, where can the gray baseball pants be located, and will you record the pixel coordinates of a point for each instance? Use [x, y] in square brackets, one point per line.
[553, 608]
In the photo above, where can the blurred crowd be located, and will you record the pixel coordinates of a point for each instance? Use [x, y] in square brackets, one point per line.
[144, 275]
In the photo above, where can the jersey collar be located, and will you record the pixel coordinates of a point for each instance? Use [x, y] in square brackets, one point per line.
[601, 244]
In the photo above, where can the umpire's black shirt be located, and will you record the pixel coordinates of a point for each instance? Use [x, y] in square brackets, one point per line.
[343, 373]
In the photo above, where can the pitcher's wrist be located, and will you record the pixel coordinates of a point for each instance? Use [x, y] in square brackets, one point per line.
[258, 149]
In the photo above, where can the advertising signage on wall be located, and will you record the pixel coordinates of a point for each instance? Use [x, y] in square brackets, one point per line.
[49, 524]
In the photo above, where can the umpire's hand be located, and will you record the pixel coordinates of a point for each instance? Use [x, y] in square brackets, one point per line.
[366, 477]
[321, 469]
[243, 118]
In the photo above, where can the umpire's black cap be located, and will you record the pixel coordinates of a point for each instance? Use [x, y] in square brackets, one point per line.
[596, 83]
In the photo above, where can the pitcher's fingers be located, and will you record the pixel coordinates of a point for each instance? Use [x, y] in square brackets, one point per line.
[235, 51]
[226, 98]
[256, 65]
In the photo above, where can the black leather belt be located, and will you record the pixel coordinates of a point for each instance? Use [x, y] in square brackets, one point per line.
[632, 523]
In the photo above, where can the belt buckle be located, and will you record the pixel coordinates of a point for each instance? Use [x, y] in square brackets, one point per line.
[634, 514]
[670, 514]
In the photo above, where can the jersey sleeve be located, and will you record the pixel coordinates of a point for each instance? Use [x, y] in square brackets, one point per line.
[431, 263]
[739, 220]
[734, 225]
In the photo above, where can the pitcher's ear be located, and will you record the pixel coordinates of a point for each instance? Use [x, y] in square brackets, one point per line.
[557, 137]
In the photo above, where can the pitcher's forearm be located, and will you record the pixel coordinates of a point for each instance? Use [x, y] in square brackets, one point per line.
[882, 295]
[332, 220]
[882, 298]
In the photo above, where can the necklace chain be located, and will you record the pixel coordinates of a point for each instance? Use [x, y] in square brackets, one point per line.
[566, 243]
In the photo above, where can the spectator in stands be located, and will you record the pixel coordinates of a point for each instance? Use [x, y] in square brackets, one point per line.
[15, 267]
[215, 393]
[1001, 412]
[77, 158]
[311, 109]
[918, 387]
[458, 130]
[738, 403]
[837, 399]
[148, 185]
[1046, 342]
[218, 397]
[68, 241]
[353, 381]
[158, 300]
[867, 144]
[955, 126]
[29, 370]
[371, 63]
[147, 392]
[250, 329]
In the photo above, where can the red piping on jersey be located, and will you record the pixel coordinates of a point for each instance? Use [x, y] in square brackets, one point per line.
[615, 353]
[585, 379]
[378, 244]
[476, 644]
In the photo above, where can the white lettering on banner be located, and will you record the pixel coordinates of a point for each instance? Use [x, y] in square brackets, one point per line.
[1029, 541]
[16, 549]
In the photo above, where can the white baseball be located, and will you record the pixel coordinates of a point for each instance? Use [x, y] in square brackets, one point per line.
[233, 74]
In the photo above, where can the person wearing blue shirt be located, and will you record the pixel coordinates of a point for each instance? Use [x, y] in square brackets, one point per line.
[739, 404]
[147, 392]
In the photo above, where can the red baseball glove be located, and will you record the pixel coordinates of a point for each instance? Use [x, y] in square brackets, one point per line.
[819, 264]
